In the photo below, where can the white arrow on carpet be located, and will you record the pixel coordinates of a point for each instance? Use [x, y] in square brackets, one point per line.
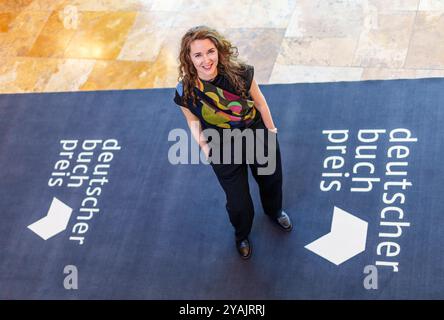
[346, 239]
[55, 221]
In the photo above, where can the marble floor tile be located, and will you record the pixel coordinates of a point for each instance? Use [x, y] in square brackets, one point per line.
[240, 14]
[165, 68]
[213, 15]
[384, 6]
[171, 42]
[14, 5]
[8, 75]
[420, 73]
[318, 51]
[6, 18]
[64, 45]
[21, 74]
[258, 47]
[29, 22]
[426, 49]
[190, 6]
[54, 37]
[22, 32]
[145, 38]
[100, 35]
[166, 5]
[270, 14]
[71, 75]
[431, 5]
[385, 44]
[164, 72]
[46, 5]
[109, 5]
[326, 19]
[387, 73]
[113, 74]
[384, 73]
[296, 74]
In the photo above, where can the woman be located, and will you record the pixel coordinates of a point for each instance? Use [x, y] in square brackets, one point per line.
[217, 91]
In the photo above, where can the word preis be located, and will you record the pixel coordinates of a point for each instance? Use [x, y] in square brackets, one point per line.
[363, 171]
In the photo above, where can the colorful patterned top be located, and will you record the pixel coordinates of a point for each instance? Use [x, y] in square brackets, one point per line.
[219, 106]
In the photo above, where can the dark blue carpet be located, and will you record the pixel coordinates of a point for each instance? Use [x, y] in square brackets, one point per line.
[162, 231]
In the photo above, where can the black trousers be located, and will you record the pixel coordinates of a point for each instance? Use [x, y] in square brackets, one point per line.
[234, 180]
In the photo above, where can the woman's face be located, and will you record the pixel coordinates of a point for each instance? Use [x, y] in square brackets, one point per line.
[205, 58]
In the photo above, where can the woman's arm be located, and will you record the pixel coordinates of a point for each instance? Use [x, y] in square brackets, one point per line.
[261, 105]
[196, 130]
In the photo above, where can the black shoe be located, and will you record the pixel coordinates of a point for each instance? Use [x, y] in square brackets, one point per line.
[244, 248]
[283, 221]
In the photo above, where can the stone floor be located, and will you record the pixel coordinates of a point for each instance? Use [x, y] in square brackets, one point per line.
[71, 45]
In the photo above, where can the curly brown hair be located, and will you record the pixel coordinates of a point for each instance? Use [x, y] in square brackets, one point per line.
[229, 65]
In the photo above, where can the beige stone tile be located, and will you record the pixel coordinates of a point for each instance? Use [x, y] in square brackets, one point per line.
[165, 68]
[326, 19]
[247, 13]
[29, 22]
[385, 44]
[394, 5]
[318, 51]
[296, 74]
[166, 5]
[113, 75]
[321, 43]
[47, 5]
[164, 71]
[14, 5]
[258, 47]
[54, 37]
[6, 18]
[18, 74]
[11, 46]
[270, 13]
[110, 5]
[426, 49]
[188, 21]
[429, 73]
[145, 38]
[100, 35]
[23, 74]
[22, 32]
[71, 75]
[190, 6]
[431, 5]
[384, 73]
[8, 75]
[171, 42]
[213, 15]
